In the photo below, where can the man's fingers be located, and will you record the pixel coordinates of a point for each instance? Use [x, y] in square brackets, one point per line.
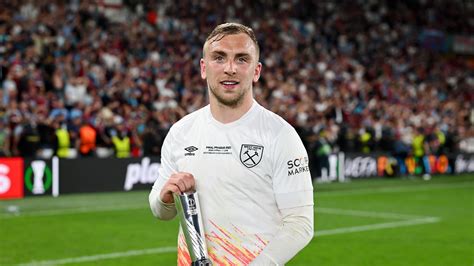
[173, 188]
[167, 191]
[181, 185]
[178, 183]
[184, 181]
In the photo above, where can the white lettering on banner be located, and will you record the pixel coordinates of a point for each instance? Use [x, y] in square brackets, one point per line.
[360, 166]
[368, 166]
[464, 165]
[340, 167]
[332, 167]
[38, 173]
[144, 173]
[5, 182]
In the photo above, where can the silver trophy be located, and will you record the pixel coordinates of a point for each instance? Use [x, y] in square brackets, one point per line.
[189, 212]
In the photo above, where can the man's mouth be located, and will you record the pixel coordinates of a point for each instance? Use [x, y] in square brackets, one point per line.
[229, 82]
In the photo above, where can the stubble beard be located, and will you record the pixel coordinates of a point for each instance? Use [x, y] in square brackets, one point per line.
[229, 102]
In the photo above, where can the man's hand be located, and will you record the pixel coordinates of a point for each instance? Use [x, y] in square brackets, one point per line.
[178, 183]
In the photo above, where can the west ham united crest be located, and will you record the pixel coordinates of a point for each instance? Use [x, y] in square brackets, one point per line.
[251, 155]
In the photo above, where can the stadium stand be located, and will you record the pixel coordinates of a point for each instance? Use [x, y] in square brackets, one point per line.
[357, 76]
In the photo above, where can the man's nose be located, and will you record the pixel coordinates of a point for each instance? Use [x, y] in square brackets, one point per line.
[230, 68]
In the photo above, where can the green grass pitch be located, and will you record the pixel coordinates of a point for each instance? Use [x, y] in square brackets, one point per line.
[364, 222]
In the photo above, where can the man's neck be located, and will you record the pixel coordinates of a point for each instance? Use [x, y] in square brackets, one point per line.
[226, 114]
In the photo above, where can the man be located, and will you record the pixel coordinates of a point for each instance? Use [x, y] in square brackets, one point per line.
[63, 138]
[4, 138]
[121, 139]
[248, 165]
[29, 139]
[87, 139]
[152, 139]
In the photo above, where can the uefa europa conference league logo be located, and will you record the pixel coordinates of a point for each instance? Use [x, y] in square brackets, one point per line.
[38, 177]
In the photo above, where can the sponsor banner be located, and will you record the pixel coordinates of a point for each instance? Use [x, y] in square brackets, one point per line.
[38, 177]
[379, 165]
[110, 174]
[11, 178]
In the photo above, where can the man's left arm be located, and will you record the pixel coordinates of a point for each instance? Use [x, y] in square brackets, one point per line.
[296, 232]
[293, 190]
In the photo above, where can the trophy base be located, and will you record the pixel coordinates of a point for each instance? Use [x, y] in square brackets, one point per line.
[202, 262]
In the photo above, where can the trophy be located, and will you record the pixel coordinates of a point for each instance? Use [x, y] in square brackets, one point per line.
[189, 212]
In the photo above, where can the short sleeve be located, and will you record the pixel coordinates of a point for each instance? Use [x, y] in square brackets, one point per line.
[292, 184]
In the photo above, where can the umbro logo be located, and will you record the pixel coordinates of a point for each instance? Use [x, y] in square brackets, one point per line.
[190, 151]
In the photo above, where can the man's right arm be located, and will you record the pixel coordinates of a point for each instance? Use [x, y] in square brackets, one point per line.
[161, 195]
[160, 209]
[169, 182]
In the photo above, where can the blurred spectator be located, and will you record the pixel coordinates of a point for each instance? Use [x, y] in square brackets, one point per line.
[46, 132]
[87, 140]
[366, 139]
[121, 139]
[63, 138]
[420, 148]
[152, 139]
[28, 139]
[322, 151]
[4, 138]
[75, 91]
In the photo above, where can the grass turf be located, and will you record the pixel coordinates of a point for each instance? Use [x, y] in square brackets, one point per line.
[363, 222]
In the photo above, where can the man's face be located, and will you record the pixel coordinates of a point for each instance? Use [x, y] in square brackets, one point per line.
[230, 67]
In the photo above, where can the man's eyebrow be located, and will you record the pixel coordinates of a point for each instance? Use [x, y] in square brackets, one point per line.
[242, 55]
[222, 53]
[218, 52]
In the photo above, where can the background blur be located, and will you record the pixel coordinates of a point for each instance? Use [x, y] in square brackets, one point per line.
[89, 90]
[363, 76]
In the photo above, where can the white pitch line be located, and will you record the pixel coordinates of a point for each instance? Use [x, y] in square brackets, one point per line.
[71, 211]
[383, 215]
[412, 188]
[378, 226]
[106, 256]
[19, 213]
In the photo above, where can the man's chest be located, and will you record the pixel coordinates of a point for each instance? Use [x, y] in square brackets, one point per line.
[225, 160]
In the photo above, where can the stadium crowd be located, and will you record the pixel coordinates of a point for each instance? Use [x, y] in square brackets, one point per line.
[350, 76]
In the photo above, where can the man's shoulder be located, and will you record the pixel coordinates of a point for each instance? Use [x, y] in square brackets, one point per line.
[272, 122]
[189, 120]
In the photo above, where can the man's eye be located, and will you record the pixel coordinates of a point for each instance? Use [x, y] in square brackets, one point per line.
[242, 59]
[219, 58]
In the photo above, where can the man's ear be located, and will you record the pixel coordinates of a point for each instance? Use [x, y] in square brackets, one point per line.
[256, 74]
[203, 68]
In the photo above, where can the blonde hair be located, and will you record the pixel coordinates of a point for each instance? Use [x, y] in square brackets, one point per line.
[231, 28]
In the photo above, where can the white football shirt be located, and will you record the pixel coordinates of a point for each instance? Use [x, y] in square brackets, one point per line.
[245, 172]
